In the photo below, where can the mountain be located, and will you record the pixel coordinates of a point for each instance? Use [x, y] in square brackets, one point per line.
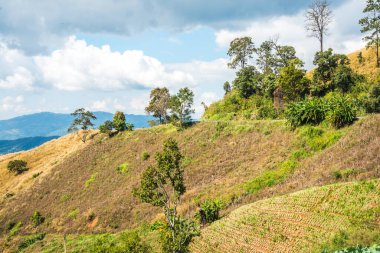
[240, 163]
[10, 146]
[46, 124]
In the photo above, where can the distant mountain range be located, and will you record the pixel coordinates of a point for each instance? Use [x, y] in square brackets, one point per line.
[11, 146]
[46, 124]
[29, 131]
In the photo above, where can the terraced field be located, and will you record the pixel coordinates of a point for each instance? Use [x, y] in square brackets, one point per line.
[326, 218]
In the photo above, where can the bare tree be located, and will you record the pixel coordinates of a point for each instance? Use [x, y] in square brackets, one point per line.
[318, 17]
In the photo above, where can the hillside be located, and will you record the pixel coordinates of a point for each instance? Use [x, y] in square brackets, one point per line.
[368, 66]
[54, 124]
[11, 146]
[325, 218]
[238, 162]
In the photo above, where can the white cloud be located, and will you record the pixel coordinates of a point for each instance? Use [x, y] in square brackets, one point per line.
[12, 104]
[79, 66]
[344, 34]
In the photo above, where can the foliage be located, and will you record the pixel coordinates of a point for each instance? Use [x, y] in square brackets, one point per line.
[266, 109]
[37, 218]
[359, 249]
[90, 180]
[343, 78]
[82, 119]
[17, 166]
[106, 127]
[119, 121]
[240, 51]
[371, 24]
[181, 105]
[73, 214]
[226, 87]
[163, 185]
[247, 81]
[129, 126]
[159, 104]
[30, 240]
[342, 112]
[309, 111]
[15, 229]
[122, 168]
[211, 210]
[293, 83]
[128, 242]
[372, 101]
[327, 63]
[145, 155]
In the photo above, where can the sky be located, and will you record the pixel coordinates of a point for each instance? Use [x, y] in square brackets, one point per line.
[106, 55]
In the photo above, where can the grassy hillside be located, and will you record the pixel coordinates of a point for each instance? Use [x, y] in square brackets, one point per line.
[329, 217]
[368, 66]
[238, 162]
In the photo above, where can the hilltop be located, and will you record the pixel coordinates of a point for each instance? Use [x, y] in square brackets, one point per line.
[238, 162]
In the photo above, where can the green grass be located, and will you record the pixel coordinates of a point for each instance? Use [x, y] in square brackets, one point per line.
[73, 214]
[123, 168]
[90, 180]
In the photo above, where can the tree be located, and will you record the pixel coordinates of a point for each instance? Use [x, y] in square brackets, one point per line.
[326, 62]
[181, 105]
[226, 87]
[318, 17]
[246, 81]
[343, 78]
[163, 186]
[82, 121]
[240, 51]
[106, 127]
[293, 82]
[119, 121]
[371, 24]
[159, 104]
[266, 60]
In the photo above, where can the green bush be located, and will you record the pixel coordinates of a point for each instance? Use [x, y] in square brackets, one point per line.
[211, 210]
[17, 166]
[119, 121]
[15, 228]
[129, 126]
[30, 240]
[372, 102]
[310, 111]
[342, 112]
[145, 156]
[128, 242]
[106, 127]
[37, 219]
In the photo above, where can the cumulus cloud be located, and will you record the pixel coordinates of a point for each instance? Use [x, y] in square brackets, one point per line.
[107, 105]
[79, 66]
[12, 104]
[46, 23]
[344, 35]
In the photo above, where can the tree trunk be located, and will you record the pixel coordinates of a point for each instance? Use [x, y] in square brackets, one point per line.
[377, 50]
[321, 41]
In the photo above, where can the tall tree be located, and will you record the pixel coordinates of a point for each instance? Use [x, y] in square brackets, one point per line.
[163, 185]
[318, 17]
[226, 87]
[119, 121]
[371, 24]
[247, 81]
[159, 104]
[181, 105]
[82, 121]
[240, 51]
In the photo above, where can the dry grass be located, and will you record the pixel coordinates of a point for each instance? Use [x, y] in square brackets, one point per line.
[330, 217]
[368, 67]
[217, 164]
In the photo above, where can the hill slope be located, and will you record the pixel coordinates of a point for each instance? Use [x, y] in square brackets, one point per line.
[328, 217]
[54, 124]
[238, 162]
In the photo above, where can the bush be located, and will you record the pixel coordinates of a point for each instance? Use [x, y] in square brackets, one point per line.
[30, 240]
[145, 156]
[211, 209]
[106, 127]
[311, 111]
[17, 166]
[37, 219]
[372, 102]
[342, 112]
[119, 121]
[128, 242]
[129, 126]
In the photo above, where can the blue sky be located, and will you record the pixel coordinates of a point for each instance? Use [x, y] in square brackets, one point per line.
[108, 54]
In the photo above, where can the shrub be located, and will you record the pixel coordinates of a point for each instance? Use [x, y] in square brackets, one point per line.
[106, 127]
[342, 112]
[73, 214]
[122, 168]
[211, 210]
[30, 240]
[129, 126]
[90, 180]
[15, 228]
[128, 242]
[17, 166]
[37, 219]
[145, 156]
[119, 121]
[372, 102]
[312, 111]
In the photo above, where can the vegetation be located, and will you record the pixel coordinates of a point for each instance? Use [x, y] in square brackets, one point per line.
[163, 186]
[181, 105]
[119, 121]
[106, 127]
[211, 210]
[82, 121]
[311, 111]
[159, 104]
[37, 218]
[17, 166]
